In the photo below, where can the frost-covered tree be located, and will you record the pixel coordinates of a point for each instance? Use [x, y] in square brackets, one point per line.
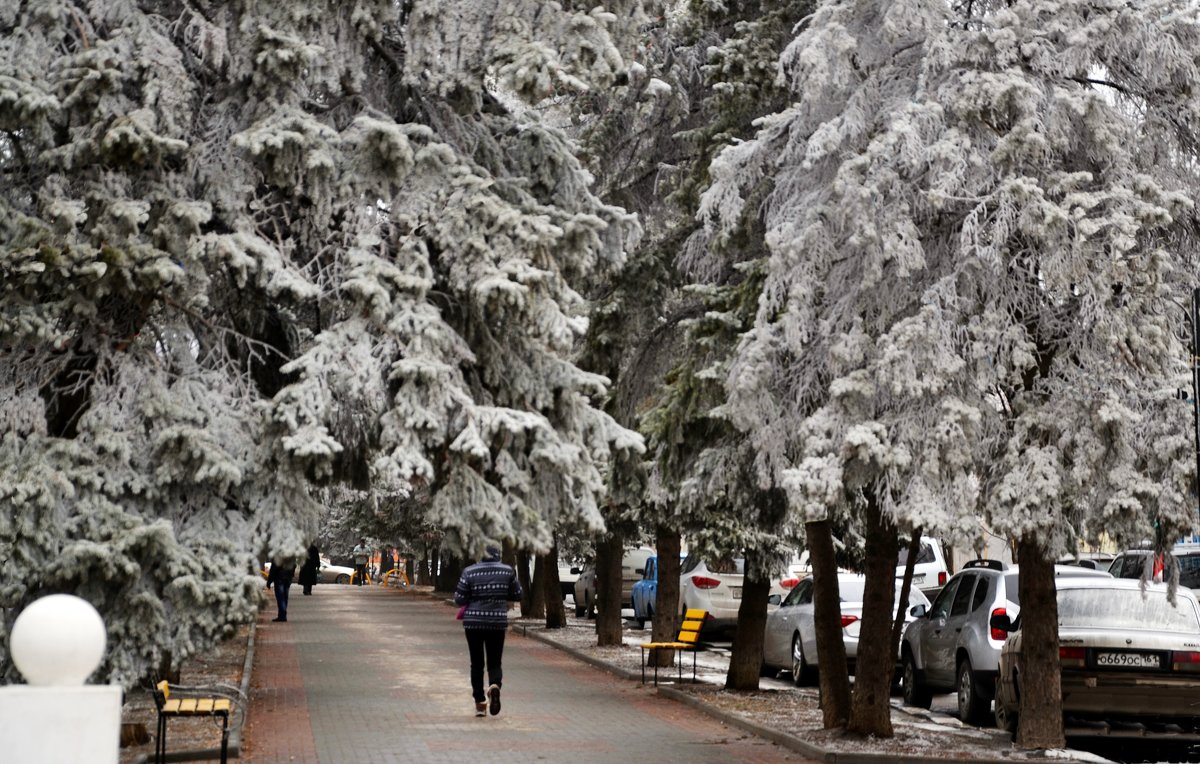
[706, 471]
[980, 231]
[246, 248]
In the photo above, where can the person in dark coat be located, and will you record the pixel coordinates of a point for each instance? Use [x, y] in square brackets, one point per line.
[484, 591]
[280, 577]
[310, 568]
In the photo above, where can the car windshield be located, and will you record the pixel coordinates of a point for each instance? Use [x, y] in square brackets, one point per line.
[1125, 609]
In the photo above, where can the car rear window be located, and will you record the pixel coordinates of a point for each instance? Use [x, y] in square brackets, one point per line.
[1107, 608]
[924, 555]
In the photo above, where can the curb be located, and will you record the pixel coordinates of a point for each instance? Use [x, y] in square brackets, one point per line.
[633, 676]
[783, 739]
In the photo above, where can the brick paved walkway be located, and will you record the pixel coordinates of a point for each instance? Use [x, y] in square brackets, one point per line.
[361, 675]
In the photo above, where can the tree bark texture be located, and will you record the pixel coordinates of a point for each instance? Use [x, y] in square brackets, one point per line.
[870, 707]
[556, 614]
[1040, 718]
[608, 591]
[526, 583]
[450, 570]
[745, 665]
[665, 626]
[831, 650]
[537, 589]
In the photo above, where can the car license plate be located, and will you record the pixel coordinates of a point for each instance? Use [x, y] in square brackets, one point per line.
[919, 578]
[1129, 660]
[735, 592]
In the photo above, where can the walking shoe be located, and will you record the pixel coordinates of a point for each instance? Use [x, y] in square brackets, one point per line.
[480, 709]
[494, 699]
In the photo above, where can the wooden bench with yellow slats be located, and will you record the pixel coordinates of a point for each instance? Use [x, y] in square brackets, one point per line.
[688, 639]
[187, 703]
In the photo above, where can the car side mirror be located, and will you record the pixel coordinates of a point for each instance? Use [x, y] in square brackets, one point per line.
[774, 599]
[1001, 622]
[575, 570]
[640, 571]
[918, 611]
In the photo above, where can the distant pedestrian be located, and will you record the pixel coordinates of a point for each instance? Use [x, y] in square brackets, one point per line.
[362, 555]
[484, 591]
[280, 576]
[310, 569]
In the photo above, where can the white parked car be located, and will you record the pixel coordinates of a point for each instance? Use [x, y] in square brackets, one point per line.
[716, 587]
[790, 637]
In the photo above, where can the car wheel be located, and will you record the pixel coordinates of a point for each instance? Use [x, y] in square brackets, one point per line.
[915, 693]
[802, 673]
[641, 622]
[342, 579]
[974, 701]
[1006, 715]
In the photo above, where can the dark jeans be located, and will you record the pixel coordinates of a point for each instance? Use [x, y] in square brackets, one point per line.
[281, 598]
[481, 642]
[361, 570]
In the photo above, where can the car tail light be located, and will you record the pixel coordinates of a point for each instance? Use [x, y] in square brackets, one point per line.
[704, 582]
[1185, 661]
[1073, 657]
[789, 583]
[999, 634]
[941, 578]
[848, 619]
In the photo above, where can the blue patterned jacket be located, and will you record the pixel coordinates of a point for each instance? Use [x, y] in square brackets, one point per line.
[486, 588]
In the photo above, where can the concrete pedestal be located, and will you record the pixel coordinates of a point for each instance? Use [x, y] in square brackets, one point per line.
[60, 725]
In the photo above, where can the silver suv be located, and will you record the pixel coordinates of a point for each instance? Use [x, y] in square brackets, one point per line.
[951, 646]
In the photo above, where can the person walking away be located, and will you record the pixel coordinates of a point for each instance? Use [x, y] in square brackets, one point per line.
[362, 555]
[310, 569]
[280, 577]
[484, 591]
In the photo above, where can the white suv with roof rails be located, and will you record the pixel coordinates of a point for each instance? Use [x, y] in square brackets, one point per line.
[929, 571]
[952, 646]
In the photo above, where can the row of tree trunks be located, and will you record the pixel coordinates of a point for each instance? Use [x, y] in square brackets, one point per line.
[556, 613]
[665, 625]
[745, 665]
[1040, 721]
[835, 682]
[870, 708]
[449, 570]
[609, 552]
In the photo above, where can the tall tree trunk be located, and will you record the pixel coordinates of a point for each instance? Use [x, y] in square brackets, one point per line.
[526, 584]
[871, 708]
[424, 577]
[831, 650]
[1040, 717]
[665, 626]
[448, 573]
[556, 614]
[745, 665]
[537, 590]
[608, 591]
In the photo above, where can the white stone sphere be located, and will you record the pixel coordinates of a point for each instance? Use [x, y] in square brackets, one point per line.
[58, 641]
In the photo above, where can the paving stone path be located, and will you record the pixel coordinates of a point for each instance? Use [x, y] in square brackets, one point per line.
[360, 675]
